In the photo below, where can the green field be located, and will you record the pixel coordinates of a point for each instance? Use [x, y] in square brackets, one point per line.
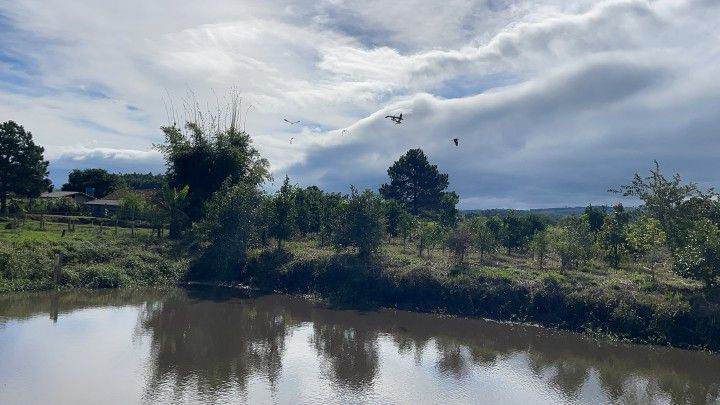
[92, 257]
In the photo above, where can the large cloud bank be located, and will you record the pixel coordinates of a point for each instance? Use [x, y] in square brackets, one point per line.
[553, 102]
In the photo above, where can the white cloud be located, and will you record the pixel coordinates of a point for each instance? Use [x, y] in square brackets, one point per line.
[576, 96]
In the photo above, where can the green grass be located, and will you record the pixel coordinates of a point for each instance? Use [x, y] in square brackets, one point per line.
[92, 257]
[30, 231]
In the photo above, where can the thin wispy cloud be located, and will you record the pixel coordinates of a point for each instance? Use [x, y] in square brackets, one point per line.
[553, 102]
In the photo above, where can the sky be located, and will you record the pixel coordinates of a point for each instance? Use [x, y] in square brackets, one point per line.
[553, 101]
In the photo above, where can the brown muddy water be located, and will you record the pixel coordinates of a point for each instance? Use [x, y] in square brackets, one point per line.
[213, 345]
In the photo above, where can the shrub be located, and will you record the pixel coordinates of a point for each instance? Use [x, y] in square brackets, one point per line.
[459, 241]
[539, 246]
[572, 241]
[361, 223]
[699, 257]
[228, 231]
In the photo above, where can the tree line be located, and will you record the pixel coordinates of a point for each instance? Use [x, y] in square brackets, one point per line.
[212, 195]
[102, 182]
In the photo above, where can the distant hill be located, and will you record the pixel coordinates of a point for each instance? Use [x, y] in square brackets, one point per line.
[553, 213]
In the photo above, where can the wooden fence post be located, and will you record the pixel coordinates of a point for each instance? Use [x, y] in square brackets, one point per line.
[57, 274]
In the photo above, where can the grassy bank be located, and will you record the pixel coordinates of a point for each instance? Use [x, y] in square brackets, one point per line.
[624, 304]
[93, 257]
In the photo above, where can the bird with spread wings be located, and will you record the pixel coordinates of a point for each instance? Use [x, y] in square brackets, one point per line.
[397, 119]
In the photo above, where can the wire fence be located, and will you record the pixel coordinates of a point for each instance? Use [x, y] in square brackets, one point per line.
[104, 214]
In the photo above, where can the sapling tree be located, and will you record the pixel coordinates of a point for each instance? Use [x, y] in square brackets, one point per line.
[283, 223]
[362, 223]
[539, 246]
[646, 241]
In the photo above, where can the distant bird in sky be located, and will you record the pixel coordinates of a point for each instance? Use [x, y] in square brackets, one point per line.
[456, 140]
[291, 139]
[397, 119]
[344, 131]
[291, 122]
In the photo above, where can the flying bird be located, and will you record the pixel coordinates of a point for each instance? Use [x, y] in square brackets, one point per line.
[344, 131]
[291, 122]
[397, 119]
[291, 139]
[456, 140]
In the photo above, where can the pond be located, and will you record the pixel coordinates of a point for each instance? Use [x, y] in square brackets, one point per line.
[221, 345]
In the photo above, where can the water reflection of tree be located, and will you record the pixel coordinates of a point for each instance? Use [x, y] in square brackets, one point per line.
[565, 362]
[199, 347]
[350, 353]
[195, 340]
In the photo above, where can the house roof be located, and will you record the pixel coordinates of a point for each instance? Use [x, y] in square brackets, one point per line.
[63, 194]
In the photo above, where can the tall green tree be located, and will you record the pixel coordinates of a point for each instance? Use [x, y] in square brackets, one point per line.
[100, 180]
[499, 229]
[23, 169]
[674, 204]
[208, 159]
[416, 183]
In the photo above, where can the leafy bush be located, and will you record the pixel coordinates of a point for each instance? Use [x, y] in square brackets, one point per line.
[361, 223]
[459, 242]
[228, 231]
[699, 257]
[572, 241]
